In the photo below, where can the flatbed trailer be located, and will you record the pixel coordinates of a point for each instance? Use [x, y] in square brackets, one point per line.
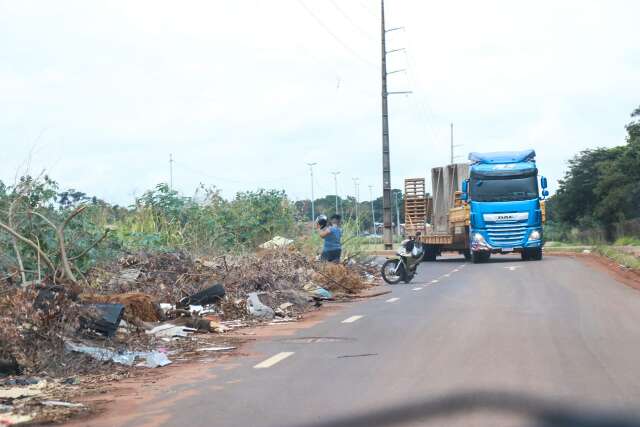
[418, 208]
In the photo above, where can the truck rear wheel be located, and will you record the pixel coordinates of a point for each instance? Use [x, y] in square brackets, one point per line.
[430, 253]
[467, 254]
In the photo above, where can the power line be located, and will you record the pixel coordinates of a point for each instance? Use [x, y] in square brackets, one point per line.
[332, 34]
[352, 22]
[218, 178]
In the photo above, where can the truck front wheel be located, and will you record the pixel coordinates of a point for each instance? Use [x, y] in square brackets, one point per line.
[536, 254]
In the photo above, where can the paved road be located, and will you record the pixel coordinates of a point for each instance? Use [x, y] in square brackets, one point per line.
[504, 343]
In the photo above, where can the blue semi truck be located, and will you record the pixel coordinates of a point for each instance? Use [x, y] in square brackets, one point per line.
[493, 205]
[505, 210]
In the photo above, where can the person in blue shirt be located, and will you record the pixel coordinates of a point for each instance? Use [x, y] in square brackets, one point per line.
[332, 235]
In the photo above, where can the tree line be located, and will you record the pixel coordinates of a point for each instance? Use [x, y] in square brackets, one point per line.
[599, 196]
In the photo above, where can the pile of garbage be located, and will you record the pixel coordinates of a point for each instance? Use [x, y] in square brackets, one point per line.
[150, 310]
[145, 301]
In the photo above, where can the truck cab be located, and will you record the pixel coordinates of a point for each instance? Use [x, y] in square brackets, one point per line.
[506, 212]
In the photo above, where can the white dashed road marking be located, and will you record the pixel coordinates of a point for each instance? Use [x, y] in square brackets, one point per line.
[417, 289]
[446, 275]
[352, 319]
[393, 299]
[512, 268]
[273, 360]
[455, 270]
[434, 281]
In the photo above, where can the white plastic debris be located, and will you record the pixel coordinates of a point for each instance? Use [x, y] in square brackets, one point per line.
[169, 330]
[257, 308]
[216, 349]
[276, 242]
[153, 359]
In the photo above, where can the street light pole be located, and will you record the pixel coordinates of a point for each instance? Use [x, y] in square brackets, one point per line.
[357, 197]
[313, 206]
[335, 182]
[373, 214]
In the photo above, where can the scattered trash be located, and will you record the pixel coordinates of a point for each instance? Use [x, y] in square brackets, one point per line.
[285, 306]
[22, 381]
[153, 358]
[216, 349]
[210, 295]
[125, 277]
[18, 392]
[317, 291]
[61, 403]
[586, 251]
[277, 242]
[170, 330]
[71, 381]
[102, 318]
[257, 308]
[283, 320]
[137, 305]
[14, 419]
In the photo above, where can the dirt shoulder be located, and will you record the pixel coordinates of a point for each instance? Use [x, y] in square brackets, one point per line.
[628, 276]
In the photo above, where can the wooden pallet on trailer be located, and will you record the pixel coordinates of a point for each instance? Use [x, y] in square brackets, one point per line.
[415, 206]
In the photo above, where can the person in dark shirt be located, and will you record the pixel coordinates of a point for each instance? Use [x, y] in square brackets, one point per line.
[332, 235]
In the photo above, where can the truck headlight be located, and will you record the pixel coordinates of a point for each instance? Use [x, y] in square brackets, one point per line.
[477, 237]
[535, 235]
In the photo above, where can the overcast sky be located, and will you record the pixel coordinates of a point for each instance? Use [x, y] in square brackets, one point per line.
[243, 93]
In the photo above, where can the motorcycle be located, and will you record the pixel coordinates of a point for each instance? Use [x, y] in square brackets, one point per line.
[404, 267]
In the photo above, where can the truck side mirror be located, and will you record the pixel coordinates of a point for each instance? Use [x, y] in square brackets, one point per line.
[543, 182]
[465, 189]
[545, 193]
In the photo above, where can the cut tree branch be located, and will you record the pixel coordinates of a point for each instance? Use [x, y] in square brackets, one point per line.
[96, 243]
[23, 239]
[66, 266]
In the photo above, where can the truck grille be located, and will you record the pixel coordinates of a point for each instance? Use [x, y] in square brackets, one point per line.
[506, 234]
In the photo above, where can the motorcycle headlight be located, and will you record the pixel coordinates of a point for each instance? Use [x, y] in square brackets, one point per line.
[477, 237]
[535, 235]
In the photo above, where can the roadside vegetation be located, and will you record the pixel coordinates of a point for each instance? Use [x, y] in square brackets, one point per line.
[598, 201]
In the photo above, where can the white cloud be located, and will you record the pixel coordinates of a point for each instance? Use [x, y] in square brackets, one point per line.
[244, 92]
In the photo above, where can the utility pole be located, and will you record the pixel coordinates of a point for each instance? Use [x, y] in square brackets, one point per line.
[313, 206]
[373, 214]
[451, 144]
[335, 183]
[357, 197]
[397, 214]
[171, 172]
[386, 163]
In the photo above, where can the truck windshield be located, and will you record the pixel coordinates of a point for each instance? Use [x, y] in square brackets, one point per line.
[504, 189]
